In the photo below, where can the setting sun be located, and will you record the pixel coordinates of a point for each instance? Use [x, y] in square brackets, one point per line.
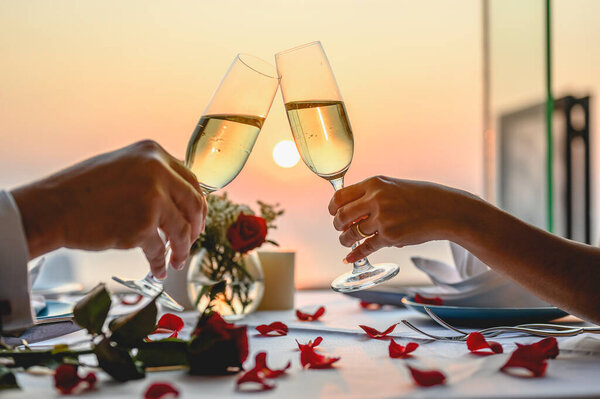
[285, 154]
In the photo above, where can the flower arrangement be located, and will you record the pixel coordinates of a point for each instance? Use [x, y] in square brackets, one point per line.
[231, 231]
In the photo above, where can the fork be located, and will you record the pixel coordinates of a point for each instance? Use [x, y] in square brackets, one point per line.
[544, 330]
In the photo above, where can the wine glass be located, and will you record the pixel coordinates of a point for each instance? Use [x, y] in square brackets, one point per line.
[323, 136]
[223, 140]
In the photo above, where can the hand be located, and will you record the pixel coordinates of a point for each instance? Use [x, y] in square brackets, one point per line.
[393, 212]
[116, 200]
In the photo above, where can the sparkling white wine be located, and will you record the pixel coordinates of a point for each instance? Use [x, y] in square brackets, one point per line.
[323, 136]
[220, 146]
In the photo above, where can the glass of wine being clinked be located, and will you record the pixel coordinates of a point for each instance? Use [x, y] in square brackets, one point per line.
[323, 136]
[223, 140]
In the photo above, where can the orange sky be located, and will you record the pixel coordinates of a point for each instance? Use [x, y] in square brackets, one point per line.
[80, 78]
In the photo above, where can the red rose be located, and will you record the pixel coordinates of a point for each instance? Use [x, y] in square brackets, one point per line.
[248, 232]
[217, 347]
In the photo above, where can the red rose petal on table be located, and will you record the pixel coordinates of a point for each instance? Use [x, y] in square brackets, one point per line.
[169, 323]
[398, 351]
[274, 329]
[547, 347]
[370, 305]
[130, 300]
[427, 378]
[67, 381]
[316, 342]
[311, 359]
[261, 371]
[533, 357]
[476, 342]
[161, 390]
[373, 333]
[310, 317]
[435, 300]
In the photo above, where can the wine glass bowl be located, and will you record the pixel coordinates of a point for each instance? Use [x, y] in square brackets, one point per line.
[323, 136]
[222, 140]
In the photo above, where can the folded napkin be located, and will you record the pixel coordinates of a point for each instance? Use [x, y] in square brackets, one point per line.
[38, 302]
[470, 282]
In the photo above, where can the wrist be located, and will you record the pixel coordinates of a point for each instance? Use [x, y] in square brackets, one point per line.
[39, 206]
[466, 214]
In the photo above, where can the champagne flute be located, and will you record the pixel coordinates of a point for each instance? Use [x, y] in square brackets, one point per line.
[223, 140]
[323, 136]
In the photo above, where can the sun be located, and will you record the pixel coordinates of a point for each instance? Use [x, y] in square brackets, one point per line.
[285, 154]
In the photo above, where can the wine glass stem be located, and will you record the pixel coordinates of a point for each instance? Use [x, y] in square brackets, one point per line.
[363, 264]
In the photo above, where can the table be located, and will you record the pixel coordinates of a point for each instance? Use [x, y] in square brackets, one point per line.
[365, 369]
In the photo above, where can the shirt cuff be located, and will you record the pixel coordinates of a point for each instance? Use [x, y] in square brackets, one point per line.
[14, 255]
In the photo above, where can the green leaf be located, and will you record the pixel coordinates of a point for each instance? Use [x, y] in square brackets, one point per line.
[91, 311]
[131, 329]
[117, 362]
[7, 379]
[48, 358]
[166, 352]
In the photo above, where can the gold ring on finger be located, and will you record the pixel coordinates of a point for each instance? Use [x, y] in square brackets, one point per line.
[363, 235]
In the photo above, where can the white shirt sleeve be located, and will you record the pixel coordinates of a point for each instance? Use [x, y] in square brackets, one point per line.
[14, 255]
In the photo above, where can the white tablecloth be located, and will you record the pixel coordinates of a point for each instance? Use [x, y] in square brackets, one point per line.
[365, 369]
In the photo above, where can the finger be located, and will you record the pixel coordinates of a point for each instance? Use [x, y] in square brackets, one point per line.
[190, 203]
[351, 235]
[365, 249]
[154, 249]
[350, 213]
[344, 196]
[184, 172]
[177, 231]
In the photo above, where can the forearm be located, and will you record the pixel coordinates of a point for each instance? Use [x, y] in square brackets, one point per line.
[39, 205]
[562, 272]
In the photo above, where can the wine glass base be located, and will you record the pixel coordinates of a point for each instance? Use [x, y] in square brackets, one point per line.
[147, 288]
[373, 275]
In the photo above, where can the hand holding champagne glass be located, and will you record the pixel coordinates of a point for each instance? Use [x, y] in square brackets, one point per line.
[323, 136]
[223, 139]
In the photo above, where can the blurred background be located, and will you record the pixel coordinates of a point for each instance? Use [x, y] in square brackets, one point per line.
[432, 89]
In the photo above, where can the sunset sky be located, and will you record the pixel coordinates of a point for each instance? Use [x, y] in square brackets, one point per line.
[80, 78]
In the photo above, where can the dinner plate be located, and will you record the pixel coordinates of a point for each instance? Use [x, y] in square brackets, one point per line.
[55, 310]
[474, 315]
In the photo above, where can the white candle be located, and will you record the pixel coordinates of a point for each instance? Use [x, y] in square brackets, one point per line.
[278, 270]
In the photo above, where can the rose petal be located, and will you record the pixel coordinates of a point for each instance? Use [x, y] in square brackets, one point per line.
[130, 300]
[436, 300]
[260, 372]
[547, 347]
[316, 342]
[398, 351]
[476, 341]
[310, 317]
[373, 333]
[168, 323]
[427, 378]
[370, 305]
[67, 381]
[274, 329]
[533, 357]
[261, 364]
[161, 390]
[309, 357]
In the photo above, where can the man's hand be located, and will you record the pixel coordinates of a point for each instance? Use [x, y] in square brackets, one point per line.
[116, 200]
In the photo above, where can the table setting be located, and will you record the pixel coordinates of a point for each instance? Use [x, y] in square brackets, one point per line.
[229, 323]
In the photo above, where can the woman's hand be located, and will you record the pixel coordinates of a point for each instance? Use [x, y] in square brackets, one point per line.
[116, 200]
[393, 212]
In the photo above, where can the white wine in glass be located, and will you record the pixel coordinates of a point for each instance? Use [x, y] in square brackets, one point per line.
[323, 136]
[223, 140]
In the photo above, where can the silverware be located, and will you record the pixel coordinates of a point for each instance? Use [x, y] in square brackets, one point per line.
[536, 329]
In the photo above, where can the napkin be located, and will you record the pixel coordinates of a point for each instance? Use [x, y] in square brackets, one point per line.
[38, 302]
[470, 282]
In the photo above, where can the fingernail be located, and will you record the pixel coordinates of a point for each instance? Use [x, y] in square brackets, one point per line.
[162, 275]
[345, 260]
[179, 266]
